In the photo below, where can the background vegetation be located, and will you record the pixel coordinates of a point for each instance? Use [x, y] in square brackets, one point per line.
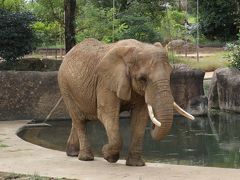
[145, 20]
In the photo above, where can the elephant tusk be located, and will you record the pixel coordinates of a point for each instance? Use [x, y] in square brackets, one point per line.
[182, 112]
[151, 115]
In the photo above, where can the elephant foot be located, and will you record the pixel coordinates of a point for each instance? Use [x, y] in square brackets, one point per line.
[72, 150]
[135, 160]
[86, 155]
[110, 153]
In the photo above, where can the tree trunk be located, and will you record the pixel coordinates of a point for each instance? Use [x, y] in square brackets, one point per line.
[69, 9]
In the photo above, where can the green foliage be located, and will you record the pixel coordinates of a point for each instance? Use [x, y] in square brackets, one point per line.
[48, 34]
[139, 28]
[219, 19]
[140, 24]
[234, 54]
[49, 11]
[50, 25]
[16, 35]
[13, 5]
[145, 20]
[97, 23]
[172, 26]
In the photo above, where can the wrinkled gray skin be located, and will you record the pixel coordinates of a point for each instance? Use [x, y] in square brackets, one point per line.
[98, 81]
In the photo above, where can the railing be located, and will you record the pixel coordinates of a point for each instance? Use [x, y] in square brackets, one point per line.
[50, 53]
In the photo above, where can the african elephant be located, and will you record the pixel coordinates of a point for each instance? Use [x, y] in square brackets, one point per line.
[98, 81]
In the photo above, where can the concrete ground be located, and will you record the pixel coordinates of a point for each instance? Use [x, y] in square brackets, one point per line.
[23, 157]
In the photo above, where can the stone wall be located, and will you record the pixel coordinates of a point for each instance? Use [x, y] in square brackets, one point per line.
[187, 89]
[224, 92]
[32, 94]
[29, 95]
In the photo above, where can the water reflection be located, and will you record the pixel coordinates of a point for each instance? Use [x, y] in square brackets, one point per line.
[207, 141]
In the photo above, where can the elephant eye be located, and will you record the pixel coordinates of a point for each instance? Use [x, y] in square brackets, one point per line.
[142, 78]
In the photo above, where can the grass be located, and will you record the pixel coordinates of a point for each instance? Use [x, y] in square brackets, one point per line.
[207, 64]
[213, 43]
[10, 176]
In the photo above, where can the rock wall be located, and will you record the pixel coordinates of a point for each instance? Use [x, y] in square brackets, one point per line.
[224, 92]
[31, 64]
[187, 89]
[29, 95]
[32, 94]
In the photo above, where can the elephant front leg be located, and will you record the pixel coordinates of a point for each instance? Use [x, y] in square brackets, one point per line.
[139, 118]
[108, 114]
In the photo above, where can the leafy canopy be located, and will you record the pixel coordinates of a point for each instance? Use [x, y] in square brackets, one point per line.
[219, 19]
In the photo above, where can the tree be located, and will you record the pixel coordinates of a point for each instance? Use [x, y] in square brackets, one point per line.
[13, 5]
[49, 11]
[50, 24]
[218, 19]
[97, 22]
[142, 18]
[70, 10]
[16, 35]
[139, 28]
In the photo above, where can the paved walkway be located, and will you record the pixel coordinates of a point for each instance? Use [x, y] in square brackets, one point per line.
[24, 157]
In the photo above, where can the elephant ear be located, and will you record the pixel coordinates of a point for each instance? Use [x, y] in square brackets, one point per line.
[113, 71]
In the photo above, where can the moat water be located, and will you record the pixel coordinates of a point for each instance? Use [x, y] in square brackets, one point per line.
[212, 141]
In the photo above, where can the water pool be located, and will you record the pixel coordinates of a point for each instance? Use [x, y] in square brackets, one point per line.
[212, 141]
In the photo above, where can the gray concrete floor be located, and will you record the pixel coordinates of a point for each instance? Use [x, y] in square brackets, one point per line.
[23, 157]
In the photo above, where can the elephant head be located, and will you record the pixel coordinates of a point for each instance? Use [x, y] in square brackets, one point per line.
[142, 69]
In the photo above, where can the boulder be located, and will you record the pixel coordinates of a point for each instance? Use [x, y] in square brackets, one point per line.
[224, 92]
[187, 89]
[181, 46]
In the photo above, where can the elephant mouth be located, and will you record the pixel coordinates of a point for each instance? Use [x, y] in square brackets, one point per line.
[176, 107]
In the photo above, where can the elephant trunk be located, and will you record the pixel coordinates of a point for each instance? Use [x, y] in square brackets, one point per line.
[158, 97]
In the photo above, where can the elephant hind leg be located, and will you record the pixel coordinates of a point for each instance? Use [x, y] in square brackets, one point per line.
[72, 148]
[78, 144]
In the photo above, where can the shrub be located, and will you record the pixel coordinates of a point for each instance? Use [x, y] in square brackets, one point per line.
[16, 35]
[234, 54]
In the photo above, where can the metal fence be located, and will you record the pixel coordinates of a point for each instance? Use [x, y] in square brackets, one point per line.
[49, 53]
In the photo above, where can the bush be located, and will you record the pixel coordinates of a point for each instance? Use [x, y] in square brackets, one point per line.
[234, 54]
[16, 35]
